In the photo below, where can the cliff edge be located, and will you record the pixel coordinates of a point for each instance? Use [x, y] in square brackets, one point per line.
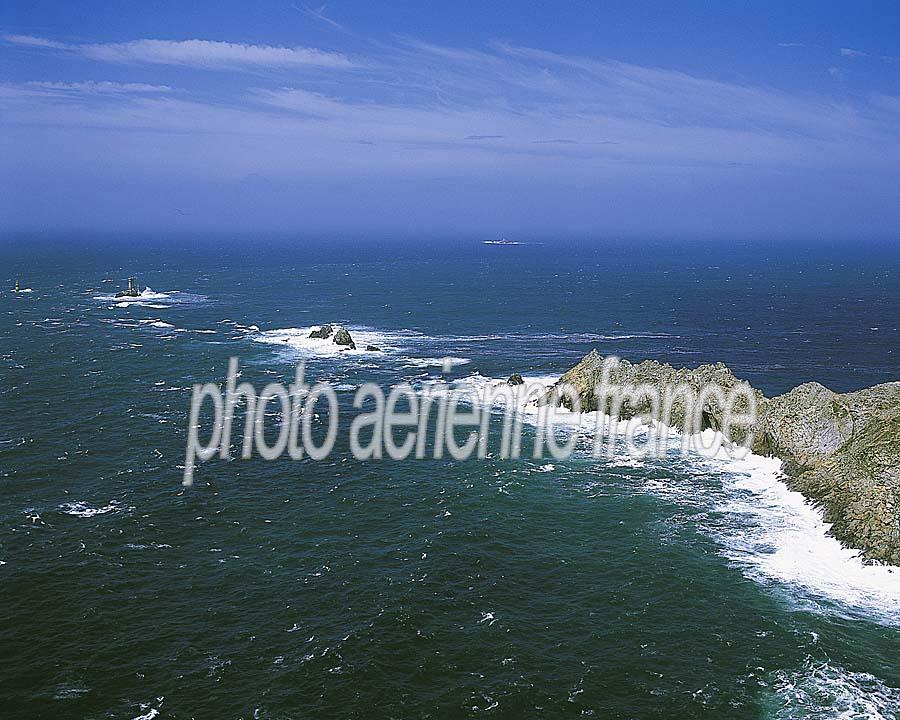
[841, 451]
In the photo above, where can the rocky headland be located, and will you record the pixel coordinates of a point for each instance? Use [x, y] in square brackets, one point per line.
[840, 450]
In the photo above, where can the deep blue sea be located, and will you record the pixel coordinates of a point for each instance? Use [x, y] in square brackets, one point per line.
[617, 587]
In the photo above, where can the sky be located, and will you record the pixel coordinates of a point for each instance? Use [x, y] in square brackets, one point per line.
[502, 119]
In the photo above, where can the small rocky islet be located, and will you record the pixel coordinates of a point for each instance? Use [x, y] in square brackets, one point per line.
[339, 335]
[840, 450]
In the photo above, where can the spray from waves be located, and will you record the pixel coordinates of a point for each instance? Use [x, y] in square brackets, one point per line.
[151, 299]
[157, 323]
[772, 534]
[83, 510]
[415, 349]
[298, 339]
[820, 691]
[436, 362]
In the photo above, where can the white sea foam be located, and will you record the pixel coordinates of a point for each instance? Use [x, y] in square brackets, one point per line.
[820, 691]
[152, 299]
[149, 715]
[298, 339]
[436, 361]
[83, 510]
[157, 324]
[148, 712]
[238, 327]
[772, 533]
[785, 539]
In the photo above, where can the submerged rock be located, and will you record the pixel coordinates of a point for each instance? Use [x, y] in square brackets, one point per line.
[342, 337]
[373, 348]
[515, 379]
[841, 451]
[324, 332]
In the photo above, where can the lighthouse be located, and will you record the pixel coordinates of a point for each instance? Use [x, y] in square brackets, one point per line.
[132, 290]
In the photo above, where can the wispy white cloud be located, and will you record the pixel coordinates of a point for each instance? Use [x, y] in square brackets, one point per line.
[213, 54]
[98, 87]
[515, 101]
[194, 53]
[35, 42]
[850, 52]
[512, 115]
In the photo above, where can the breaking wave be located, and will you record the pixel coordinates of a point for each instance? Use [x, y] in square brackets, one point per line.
[767, 530]
[151, 299]
[820, 691]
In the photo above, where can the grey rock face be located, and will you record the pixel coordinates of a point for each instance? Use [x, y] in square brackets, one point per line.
[515, 379]
[842, 451]
[807, 425]
[324, 332]
[342, 337]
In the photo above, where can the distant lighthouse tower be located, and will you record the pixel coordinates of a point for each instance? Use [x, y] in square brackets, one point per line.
[132, 290]
[17, 285]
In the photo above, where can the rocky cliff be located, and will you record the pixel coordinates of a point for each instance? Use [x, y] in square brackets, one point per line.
[842, 451]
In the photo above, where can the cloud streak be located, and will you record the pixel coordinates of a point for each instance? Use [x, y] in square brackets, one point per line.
[210, 54]
[34, 42]
[98, 87]
[499, 119]
[213, 54]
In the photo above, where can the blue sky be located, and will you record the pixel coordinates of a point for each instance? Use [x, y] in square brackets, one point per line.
[513, 119]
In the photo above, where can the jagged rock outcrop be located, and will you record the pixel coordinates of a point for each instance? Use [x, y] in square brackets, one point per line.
[322, 333]
[842, 451]
[373, 348]
[515, 379]
[342, 337]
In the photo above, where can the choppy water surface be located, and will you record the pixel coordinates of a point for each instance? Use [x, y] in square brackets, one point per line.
[618, 587]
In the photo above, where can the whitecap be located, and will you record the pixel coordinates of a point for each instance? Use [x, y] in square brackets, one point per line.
[436, 362]
[81, 509]
[157, 323]
[820, 691]
[151, 298]
[298, 339]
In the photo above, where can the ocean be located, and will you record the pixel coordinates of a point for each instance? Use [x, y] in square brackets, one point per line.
[618, 587]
